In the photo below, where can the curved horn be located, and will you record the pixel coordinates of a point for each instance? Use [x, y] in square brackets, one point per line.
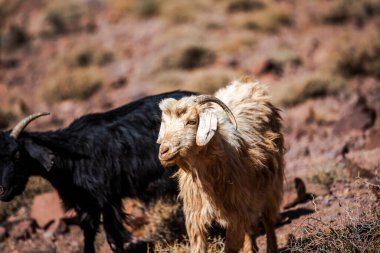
[23, 123]
[202, 99]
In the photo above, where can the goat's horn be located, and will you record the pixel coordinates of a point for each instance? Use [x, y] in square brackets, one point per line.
[202, 99]
[23, 123]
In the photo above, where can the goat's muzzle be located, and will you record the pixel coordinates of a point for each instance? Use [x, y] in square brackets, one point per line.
[167, 154]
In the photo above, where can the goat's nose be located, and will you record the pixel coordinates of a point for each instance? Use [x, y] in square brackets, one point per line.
[164, 149]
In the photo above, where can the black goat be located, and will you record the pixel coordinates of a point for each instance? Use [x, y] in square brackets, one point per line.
[93, 163]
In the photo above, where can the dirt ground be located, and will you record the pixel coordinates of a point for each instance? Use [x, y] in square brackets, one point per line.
[320, 59]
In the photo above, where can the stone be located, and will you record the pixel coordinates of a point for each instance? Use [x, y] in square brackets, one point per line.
[46, 208]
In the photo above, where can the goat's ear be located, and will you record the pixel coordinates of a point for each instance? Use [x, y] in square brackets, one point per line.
[161, 133]
[42, 154]
[208, 123]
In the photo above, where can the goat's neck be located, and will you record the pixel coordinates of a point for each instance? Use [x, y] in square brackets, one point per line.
[212, 164]
[60, 175]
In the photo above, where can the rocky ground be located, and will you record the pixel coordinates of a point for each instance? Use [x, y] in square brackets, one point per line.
[320, 59]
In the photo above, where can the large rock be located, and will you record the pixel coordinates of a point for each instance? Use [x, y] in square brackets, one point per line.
[358, 117]
[47, 208]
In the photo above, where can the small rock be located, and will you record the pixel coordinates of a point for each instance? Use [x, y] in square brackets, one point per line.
[46, 208]
[22, 230]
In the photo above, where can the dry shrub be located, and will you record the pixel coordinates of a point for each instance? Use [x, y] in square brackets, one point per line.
[143, 8]
[64, 84]
[215, 245]
[13, 36]
[180, 11]
[35, 186]
[209, 80]
[327, 173]
[185, 55]
[344, 10]
[64, 17]
[166, 220]
[308, 86]
[269, 19]
[84, 55]
[6, 118]
[355, 234]
[278, 59]
[7, 7]
[147, 8]
[170, 80]
[237, 42]
[244, 5]
[360, 56]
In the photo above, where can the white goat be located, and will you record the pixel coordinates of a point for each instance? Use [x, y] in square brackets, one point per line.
[230, 171]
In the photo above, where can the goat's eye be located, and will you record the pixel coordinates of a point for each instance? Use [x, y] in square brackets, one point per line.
[191, 122]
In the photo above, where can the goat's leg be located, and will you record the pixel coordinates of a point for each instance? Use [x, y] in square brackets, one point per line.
[250, 245]
[89, 225]
[234, 238]
[117, 234]
[197, 235]
[271, 235]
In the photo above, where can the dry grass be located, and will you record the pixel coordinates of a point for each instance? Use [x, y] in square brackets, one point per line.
[13, 37]
[302, 88]
[6, 118]
[64, 17]
[326, 173]
[344, 10]
[35, 186]
[359, 56]
[65, 84]
[186, 55]
[85, 55]
[216, 245]
[355, 234]
[268, 20]
[279, 59]
[208, 81]
[143, 8]
[244, 5]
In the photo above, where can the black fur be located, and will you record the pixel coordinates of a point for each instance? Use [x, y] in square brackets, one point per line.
[94, 163]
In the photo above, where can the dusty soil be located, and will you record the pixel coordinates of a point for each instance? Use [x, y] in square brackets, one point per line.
[332, 137]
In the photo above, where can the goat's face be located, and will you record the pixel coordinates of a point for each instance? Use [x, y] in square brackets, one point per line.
[13, 176]
[187, 125]
[14, 159]
[178, 130]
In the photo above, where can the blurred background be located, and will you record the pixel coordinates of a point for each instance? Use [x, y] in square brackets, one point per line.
[320, 59]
